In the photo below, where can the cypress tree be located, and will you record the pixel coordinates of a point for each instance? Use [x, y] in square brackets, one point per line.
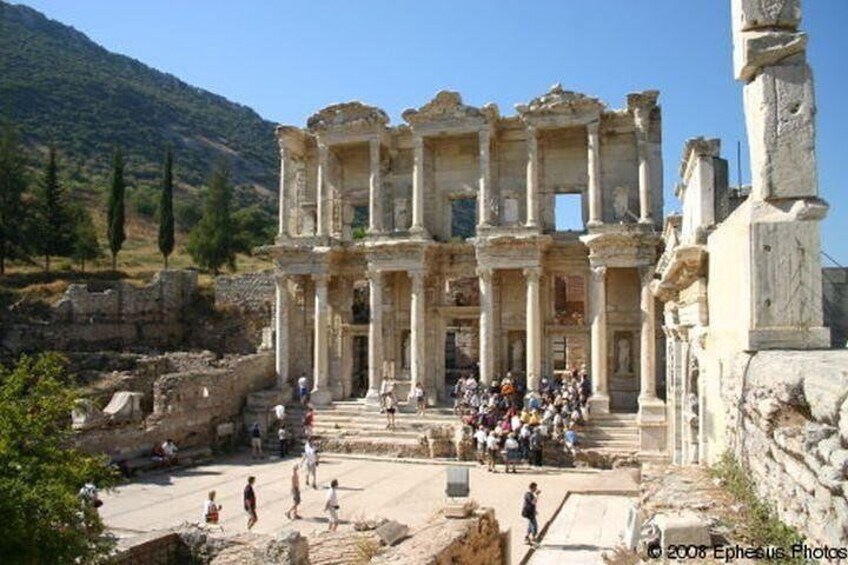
[212, 243]
[115, 213]
[12, 185]
[54, 233]
[86, 245]
[166, 209]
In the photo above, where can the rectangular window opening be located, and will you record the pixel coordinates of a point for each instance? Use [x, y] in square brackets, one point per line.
[568, 212]
[359, 222]
[463, 218]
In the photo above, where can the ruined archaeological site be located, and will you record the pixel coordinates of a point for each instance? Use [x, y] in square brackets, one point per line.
[703, 349]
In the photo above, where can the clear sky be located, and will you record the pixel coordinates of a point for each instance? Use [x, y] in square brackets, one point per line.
[288, 59]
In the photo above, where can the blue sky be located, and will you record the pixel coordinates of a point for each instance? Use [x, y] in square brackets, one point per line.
[288, 59]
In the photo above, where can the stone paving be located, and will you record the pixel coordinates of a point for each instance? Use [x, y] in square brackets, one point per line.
[407, 491]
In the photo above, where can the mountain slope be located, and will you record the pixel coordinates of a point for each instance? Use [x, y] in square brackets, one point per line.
[57, 86]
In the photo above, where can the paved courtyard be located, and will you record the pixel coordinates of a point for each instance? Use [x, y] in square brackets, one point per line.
[409, 492]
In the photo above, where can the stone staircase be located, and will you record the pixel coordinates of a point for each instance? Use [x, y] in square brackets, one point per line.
[608, 438]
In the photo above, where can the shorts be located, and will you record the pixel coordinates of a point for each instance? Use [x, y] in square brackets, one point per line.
[256, 442]
[334, 515]
[391, 410]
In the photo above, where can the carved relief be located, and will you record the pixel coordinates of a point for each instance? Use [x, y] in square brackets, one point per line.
[462, 292]
[446, 106]
[348, 116]
[621, 204]
[560, 101]
[401, 214]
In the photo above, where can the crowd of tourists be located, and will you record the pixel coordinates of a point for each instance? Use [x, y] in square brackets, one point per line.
[509, 428]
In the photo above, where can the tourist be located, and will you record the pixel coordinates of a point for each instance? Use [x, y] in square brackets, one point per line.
[385, 387]
[255, 441]
[536, 448]
[331, 506]
[169, 452]
[211, 509]
[480, 436]
[492, 442]
[420, 399]
[528, 511]
[391, 407]
[512, 453]
[280, 412]
[570, 441]
[250, 502]
[291, 513]
[89, 496]
[303, 389]
[310, 461]
[308, 421]
[283, 437]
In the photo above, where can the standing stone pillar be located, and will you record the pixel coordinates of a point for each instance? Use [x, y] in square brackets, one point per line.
[532, 178]
[642, 119]
[417, 327]
[320, 390]
[375, 192]
[487, 339]
[651, 409]
[375, 338]
[321, 195]
[284, 204]
[417, 185]
[534, 329]
[594, 172]
[281, 330]
[600, 400]
[484, 198]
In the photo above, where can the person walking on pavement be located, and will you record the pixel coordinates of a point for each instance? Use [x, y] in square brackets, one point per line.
[211, 509]
[255, 441]
[331, 506]
[283, 436]
[528, 511]
[391, 408]
[250, 502]
[291, 513]
[310, 461]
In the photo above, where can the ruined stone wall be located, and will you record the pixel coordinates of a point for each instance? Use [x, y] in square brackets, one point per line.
[250, 292]
[835, 301]
[787, 422]
[188, 406]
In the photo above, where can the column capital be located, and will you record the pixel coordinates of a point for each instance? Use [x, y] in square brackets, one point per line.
[599, 272]
[592, 128]
[417, 140]
[281, 278]
[320, 279]
[374, 275]
[646, 274]
[532, 132]
[532, 273]
[485, 274]
[416, 275]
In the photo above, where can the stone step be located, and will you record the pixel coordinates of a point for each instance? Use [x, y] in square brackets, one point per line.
[611, 445]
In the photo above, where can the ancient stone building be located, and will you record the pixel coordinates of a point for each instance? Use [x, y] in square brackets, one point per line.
[424, 251]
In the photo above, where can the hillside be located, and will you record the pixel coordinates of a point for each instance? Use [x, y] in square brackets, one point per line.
[57, 86]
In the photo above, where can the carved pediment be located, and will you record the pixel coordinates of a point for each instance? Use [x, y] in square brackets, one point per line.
[348, 116]
[447, 106]
[558, 101]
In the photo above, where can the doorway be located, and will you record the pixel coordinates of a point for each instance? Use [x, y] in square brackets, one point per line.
[359, 384]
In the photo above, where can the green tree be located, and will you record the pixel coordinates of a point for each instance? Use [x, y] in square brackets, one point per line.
[54, 227]
[115, 213]
[13, 183]
[40, 470]
[166, 209]
[86, 245]
[213, 241]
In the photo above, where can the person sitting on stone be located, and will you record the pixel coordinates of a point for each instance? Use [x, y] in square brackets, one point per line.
[169, 452]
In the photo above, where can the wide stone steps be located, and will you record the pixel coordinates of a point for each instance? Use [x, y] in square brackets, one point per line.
[610, 434]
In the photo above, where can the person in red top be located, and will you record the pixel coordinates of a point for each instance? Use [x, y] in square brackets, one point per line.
[250, 502]
[308, 421]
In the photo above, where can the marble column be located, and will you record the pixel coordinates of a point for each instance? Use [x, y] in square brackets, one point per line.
[487, 329]
[596, 210]
[642, 119]
[320, 366]
[532, 178]
[484, 196]
[375, 338]
[600, 400]
[321, 193]
[375, 189]
[417, 329]
[647, 361]
[281, 330]
[534, 330]
[417, 185]
[284, 203]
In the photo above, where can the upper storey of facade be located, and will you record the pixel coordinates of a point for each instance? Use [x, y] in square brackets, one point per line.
[455, 171]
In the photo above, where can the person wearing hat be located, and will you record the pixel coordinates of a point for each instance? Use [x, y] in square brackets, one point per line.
[512, 452]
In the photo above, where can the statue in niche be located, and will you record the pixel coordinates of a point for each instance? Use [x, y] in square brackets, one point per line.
[623, 356]
[401, 214]
[308, 222]
[518, 355]
[510, 216]
[620, 204]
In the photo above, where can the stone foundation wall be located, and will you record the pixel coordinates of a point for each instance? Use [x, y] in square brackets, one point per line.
[787, 422]
[249, 292]
[188, 406]
[835, 302]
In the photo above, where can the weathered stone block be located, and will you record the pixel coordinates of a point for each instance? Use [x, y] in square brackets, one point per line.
[780, 120]
[758, 14]
[686, 528]
[825, 392]
[392, 532]
[756, 49]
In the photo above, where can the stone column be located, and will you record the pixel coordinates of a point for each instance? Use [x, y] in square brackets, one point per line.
[320, 198]
[417, 327]
[281, 327]
[417, 185]
[651, 409]
[484, 196]
[284, 204]
[487, 339]
[596, 210]
[532, 178]
[320, 390]
[642, 115]
[375, 189]
[534, 330]
[599, 401]
[375, 338]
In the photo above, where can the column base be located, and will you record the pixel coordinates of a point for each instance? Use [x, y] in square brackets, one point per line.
[599, 403]
[419, 232]
[646, 221]
[651, 411]
[372, 400]
[594, 223]
[321, 397]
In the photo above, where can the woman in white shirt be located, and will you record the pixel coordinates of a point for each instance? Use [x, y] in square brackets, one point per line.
[211, 509]
[331, 506]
